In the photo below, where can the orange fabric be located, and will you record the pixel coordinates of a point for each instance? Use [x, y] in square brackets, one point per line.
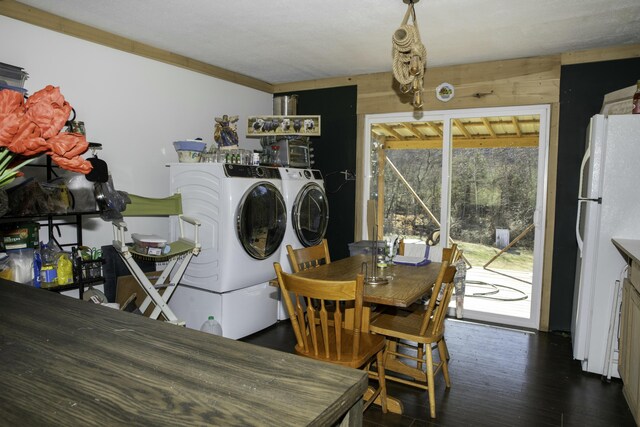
[68, 145]
[48, 109]
[9, 102]
[33, 127]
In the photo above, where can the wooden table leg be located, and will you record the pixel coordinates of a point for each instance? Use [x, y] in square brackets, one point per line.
[353, 417]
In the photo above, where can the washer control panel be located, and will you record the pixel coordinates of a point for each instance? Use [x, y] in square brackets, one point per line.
[300, 174]
[247, 171]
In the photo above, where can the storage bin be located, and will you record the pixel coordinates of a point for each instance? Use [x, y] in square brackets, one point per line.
[365, 247]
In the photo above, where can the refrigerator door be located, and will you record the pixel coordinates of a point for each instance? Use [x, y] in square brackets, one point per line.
[587, 227]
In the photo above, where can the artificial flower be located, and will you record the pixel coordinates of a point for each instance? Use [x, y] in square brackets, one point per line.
[33, 127]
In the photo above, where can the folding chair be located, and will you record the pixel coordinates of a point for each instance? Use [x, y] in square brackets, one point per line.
[177, 259]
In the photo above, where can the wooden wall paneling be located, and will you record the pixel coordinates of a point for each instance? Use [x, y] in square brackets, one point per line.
[549, 226]
[489, 84]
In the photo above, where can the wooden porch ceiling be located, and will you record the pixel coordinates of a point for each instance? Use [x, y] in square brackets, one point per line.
[479, 132]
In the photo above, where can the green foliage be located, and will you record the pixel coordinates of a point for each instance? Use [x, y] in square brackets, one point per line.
[491, 188]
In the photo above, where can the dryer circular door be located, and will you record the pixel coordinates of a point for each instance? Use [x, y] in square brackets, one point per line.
[310, 214]
[261, 220]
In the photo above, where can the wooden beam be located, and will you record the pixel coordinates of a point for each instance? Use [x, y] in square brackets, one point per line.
[38, 17]
[414, 131]
[600, 54]
[435, 128]
[460, 142]
[462, 128]
[516, 126]
[391, 131]
[487, 124]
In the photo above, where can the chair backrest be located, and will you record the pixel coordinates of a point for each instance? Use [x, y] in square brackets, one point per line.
[320, 332]
[436, 309]
[436, 324]
[311, 257]
[451, 254]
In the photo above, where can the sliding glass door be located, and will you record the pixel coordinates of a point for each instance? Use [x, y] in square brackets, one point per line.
[476, 178]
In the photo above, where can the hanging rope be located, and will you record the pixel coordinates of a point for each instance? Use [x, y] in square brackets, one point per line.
[409, 57]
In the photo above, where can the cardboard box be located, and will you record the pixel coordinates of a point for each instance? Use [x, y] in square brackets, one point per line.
[128, 285]
[19, 236]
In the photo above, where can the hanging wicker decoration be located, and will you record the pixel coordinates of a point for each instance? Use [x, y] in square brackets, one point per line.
[409, 56]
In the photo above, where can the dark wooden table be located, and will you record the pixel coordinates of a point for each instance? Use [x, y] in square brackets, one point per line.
[70, 362]
[407, 283]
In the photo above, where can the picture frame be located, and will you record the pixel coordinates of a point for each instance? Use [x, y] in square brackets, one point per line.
[258, 126]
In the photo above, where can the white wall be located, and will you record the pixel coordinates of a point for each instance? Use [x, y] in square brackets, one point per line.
[135, 107]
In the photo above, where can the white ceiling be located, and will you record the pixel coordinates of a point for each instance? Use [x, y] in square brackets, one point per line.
[281, 41]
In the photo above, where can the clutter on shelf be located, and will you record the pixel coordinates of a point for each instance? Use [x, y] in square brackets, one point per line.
[33, 127]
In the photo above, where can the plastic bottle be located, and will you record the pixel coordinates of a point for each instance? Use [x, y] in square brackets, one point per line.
[636, 100]
[37, 266]
[211, 326]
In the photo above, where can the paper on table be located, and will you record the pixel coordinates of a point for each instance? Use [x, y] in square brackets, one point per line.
[435, 253]
[414, 254]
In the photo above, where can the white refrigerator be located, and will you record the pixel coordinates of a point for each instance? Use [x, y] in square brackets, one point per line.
[608, 207]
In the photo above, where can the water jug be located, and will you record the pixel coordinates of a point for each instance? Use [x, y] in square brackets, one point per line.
[211, 326]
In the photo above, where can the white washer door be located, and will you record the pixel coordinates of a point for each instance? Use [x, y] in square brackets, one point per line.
[261, 220]
[310, 214]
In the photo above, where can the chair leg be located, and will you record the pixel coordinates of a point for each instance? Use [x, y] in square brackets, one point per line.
[446, 349]
[430, 384]
[442, 350]
[381, 381]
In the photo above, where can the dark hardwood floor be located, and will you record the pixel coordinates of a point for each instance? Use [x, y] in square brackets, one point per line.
[499, 377]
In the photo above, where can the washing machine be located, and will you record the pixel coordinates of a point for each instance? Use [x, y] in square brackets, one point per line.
[244, 219]
[308, 213]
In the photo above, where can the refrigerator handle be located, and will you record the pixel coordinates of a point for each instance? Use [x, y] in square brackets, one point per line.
[587, 154]
[578, 236]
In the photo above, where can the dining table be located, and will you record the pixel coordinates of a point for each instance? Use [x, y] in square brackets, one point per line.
[71, 362]
[406, 285]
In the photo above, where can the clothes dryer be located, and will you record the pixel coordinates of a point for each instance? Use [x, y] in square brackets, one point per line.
[308, 214]
[244, 219]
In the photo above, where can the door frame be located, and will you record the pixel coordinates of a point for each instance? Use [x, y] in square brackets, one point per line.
[540, 213]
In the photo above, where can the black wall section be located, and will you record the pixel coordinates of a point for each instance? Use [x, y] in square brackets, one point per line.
[582, 88]
[335, 152]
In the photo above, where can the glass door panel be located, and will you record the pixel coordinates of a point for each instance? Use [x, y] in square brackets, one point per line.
[408, 180]
[494, 182]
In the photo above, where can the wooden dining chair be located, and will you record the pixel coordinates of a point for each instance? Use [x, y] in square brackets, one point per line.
[329, 337]
[451, 255]
[419, 328]
[310, 257]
